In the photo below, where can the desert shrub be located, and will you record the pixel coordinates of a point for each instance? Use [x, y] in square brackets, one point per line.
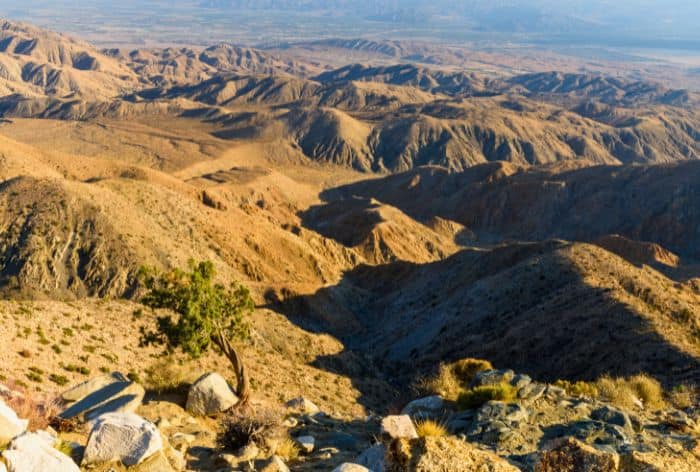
[166, 376]
[241, 429]
[288, 450]
[683, 396]
[59, 380]
[648, 390]
[477, 396]
[453, 378]
[430, 428]
[624, 391]
[579, 388]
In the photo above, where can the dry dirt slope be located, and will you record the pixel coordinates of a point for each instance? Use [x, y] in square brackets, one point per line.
[552, 309]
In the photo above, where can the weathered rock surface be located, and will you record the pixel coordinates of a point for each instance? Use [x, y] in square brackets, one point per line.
[571, 454]
[373, 458]
[306, 443]
[209, 395]
[428, 407]
[10, 424]
[443, 454]
[350, 467]
[398, 426]
[119, 396]
[302, 405]
[122, 437]
[274, 464]
[35, 452]
[92, 385]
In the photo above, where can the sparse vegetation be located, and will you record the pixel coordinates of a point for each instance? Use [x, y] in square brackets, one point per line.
[288, 450]
[165, 376]
[430, 428]
[207, 314]
[625, 391]
[477, 396]
[239, 430]
[59, 380]
[579, 388]
[454, 378]
[683, 396]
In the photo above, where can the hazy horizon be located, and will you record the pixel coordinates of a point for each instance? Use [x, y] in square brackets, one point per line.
[600, 23]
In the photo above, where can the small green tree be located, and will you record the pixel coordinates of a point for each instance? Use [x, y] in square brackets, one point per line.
[207, 314]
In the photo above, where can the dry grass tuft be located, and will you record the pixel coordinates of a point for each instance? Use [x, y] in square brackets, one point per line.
[683, 396]
[453, 378]
[478, 396]
[256, 427]
[623, 392]
[166, 376]
[430, 428]
[578, 389]
[288, 450]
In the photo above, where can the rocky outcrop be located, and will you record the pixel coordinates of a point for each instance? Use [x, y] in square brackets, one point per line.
[398, 426]
[122, 437]
[444, 454]
[570, 454]
[114, 394]
[10, 424]
[35, 452]
[209, 395]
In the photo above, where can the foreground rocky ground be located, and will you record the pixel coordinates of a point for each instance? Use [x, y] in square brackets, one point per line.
[111, 423]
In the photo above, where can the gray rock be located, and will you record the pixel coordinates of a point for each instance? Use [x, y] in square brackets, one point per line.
[461, 421]
[116, 397]
[373, 458]
[302, 405]
[500, 411]
[350, 467]
[210, 395]
[343, 441]
[610, 415]
[492, 377]
[398, 426]
[10, 424]
[555, 393]
[428, 407]
[122, 437]
[521, 381]
[306, 443]
[92, 385]
[35, 452]
[532, 392]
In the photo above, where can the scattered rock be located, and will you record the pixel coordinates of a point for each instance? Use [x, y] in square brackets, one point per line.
[571, 454]
[610, 415]
[274, 464]
[10, 424]
[492, 377]
[34, 452]
[532, 392]
[655, 462]
[350, 467]
[302, 405]
[428, 407]
[120, 396]
[555, 393]
[373, 458]
[92, 385]
[306, 443]
[443, 454]
[398, 426]
[521, 381]
[122, 437]
[210, 395]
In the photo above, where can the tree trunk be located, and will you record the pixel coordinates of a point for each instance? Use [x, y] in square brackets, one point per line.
[243, 387]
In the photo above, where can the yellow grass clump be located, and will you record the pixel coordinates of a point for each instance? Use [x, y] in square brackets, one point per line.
[453, 378]
[288, 450]
[426, 428]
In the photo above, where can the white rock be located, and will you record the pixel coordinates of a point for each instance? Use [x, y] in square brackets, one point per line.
[2, 467]
[349, 467]
[209, 395]
[121, 396]
[10, 424]
[122, 437]
[34, 452]
[306, 443]
[302, 405]
[399, 426]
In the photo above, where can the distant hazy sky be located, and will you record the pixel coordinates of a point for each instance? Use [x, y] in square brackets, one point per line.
[646, 23]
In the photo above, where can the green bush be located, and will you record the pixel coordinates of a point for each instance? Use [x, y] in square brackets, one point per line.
[60, 380]
[477, 396]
